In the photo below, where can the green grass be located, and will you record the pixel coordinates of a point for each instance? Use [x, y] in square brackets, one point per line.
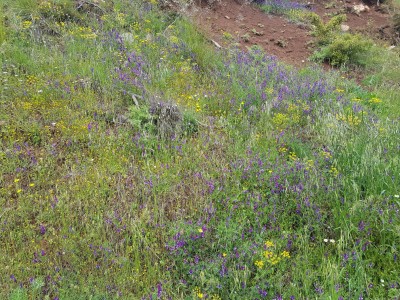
[263, 181]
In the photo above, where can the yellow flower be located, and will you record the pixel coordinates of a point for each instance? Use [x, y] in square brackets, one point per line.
[259, 264]
[200, 230]
[26, 24]
[334, 171]
[31, 184]
[375, 100]
[285, 254]
[269, 244]
[293, 156]
[268, 254]
[16, 180]
[224, 254]
[269, 91]
[200, 295]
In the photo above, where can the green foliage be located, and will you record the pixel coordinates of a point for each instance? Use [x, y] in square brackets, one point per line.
[252, 179]
[326, 32]
[2, 26]
[141, 120]
[345, 49]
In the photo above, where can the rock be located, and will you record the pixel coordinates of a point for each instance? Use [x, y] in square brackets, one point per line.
[359, 8]
[216, 44]
[344, 27]
[127, 37]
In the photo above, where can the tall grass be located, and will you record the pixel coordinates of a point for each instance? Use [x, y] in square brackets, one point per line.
[274, 183]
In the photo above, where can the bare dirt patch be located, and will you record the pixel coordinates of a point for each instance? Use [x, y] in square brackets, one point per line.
[245, 24]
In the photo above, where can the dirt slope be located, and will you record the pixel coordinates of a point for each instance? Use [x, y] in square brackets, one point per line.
[230, 22]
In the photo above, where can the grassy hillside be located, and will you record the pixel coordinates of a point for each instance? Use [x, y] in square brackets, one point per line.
[137, 162]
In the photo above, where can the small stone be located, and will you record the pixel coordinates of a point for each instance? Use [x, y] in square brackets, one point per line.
[227, 17]
[344, 27]
[359, 8]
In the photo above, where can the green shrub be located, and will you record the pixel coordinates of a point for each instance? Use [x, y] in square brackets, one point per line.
[345, 49]
[326, 32]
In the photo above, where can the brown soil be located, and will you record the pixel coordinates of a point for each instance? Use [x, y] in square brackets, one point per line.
[229, 22]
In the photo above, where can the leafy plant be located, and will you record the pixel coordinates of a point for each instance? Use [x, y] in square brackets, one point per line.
[345, 49]
[325, 32]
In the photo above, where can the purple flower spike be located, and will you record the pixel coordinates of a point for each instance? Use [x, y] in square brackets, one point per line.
[42, 229]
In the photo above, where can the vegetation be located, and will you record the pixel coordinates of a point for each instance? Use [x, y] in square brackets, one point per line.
[138, 163]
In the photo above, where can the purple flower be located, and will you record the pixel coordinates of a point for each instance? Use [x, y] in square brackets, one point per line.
[159, 290]
[42, 229]
[263, 293]
[361, 226]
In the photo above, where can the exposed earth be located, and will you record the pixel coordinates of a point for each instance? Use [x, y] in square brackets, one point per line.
[228, 22]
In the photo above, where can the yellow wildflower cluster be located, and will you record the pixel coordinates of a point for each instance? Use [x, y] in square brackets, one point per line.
[269, 244]
[282, 150]
[215, 297]
[350, 119]
[259, 264]
[270, 256]
[120, 17]
[44, 5]
[136, 26]
[280, 120]
[26, 24]
[269, 91]
[273, 258]
[293, 156]
[173, 39]
[83, 32]
[309, 164]
[375, 100]
[192, 101]
[31, 79]
[227, 35]
[326, 154]
[292, 116]
[294, 113]
[198, 293]
[334, 171]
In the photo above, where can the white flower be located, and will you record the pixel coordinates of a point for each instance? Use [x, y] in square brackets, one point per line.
[332, 241]
[325, 240]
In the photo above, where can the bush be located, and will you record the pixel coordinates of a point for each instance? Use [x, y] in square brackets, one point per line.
[326, 32]
[345, 49]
